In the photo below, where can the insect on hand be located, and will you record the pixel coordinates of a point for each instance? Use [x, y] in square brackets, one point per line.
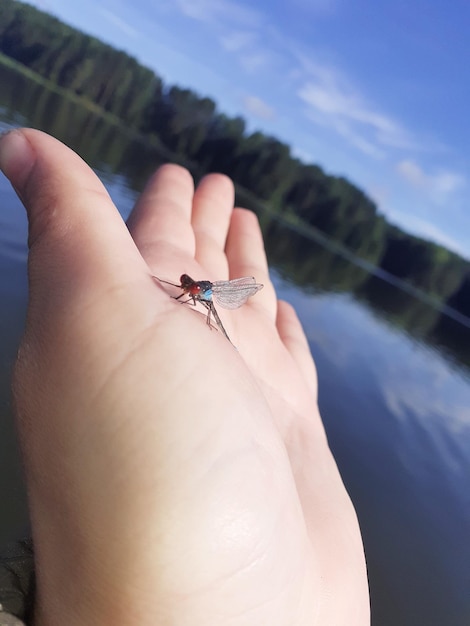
[230, 294]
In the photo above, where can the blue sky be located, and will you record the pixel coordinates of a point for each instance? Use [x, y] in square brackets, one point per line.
[377, 92]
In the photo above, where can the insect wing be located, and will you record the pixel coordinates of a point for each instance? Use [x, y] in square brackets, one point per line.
[231, 294]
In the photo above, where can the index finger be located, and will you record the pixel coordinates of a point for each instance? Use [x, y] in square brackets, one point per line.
[160, 222]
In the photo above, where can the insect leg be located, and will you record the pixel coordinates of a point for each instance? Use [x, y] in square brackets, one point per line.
[191, 300]
[218, 321]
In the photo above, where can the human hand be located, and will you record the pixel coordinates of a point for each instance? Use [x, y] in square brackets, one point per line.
[172, 479]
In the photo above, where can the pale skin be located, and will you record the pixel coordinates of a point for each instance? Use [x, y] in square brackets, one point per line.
[172, 479]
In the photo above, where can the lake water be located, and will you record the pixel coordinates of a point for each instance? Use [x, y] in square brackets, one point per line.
[394, 378]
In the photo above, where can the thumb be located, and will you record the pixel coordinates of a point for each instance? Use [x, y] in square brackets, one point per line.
[78, 241]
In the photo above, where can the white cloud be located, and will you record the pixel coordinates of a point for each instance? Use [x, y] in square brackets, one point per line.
[237, 41]
[333, 102]
[411, 172]
[328, 99]
[357, 139]
[257, 107]
[437, 186]
[448, 182]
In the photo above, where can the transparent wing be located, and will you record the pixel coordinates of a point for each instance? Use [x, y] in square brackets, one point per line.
[231, 294]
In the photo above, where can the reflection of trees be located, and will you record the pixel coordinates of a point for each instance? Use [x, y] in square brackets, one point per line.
[449, 328]
[101, 143]
[429, 267]
[452, 336]
[460, 299]
[312, 265]
[309, 263]
[403, 308]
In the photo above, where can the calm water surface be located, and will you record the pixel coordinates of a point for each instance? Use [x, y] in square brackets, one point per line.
[394, 380]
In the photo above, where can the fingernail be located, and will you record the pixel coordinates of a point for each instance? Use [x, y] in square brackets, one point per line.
[16, 156]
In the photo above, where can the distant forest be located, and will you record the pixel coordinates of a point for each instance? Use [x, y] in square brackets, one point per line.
[192, 128]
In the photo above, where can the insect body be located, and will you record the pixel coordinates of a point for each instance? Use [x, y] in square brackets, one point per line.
[229, 294]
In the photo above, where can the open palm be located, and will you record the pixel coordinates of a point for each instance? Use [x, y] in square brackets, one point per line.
[173, 479]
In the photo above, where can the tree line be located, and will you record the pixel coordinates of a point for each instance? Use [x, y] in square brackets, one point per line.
[192, 127]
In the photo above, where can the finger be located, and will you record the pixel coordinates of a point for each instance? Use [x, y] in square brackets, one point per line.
[161, 220]
[247, 257]
[212, 208]
[293, 337]
[74, 228]
[245, 247]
